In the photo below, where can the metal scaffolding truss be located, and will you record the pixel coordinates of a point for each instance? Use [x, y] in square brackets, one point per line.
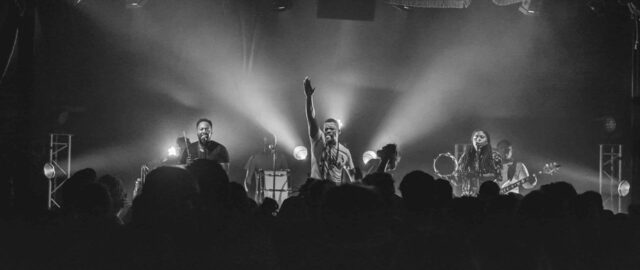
[610, 175]
[59, 163]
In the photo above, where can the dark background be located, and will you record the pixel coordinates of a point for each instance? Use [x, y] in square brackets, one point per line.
[127, 82]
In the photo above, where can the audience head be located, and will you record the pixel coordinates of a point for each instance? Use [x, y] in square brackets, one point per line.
[317, 192]
[269, 206]
[562, 196]
[488, 190]
[417, 190]
[442, 193]
[168, 198]
[589, 205]
[116, 191]
[239, 201]
[351, 201]
[534, 206]
[72, 188]
[382, 182]
[212, 181]
[94, 201]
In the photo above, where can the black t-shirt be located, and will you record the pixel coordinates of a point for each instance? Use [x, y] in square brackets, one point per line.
[211, 151]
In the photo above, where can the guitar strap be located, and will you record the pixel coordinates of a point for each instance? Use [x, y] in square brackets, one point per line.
[511, 171]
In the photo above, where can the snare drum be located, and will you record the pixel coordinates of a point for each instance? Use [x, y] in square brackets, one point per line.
[273, 184]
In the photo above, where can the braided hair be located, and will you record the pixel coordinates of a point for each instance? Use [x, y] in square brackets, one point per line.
[485, 154]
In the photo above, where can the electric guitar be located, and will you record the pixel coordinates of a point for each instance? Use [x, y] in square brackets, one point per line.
[549, 168]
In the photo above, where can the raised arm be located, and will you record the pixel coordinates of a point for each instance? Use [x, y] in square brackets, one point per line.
[388, 156]
[311, 111]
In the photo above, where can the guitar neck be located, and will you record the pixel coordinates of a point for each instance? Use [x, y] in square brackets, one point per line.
[549, 169]
[516, 184]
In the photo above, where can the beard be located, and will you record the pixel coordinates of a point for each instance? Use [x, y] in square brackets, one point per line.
[203, 138]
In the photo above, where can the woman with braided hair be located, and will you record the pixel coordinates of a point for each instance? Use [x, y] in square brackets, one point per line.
[478, 163]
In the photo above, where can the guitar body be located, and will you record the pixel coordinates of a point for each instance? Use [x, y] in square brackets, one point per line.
[511, 186]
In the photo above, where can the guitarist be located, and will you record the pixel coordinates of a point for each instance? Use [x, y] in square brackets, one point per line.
[512, 170]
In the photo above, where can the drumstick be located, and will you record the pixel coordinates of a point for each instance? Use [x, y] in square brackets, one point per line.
[184, 135]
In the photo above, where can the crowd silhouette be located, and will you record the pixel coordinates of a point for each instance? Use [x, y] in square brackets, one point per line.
[196, 218]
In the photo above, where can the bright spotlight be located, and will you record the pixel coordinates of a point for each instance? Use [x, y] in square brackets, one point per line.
[402, 7]
[340, 124]
[369, 155]
[172, 151]
[281, 5]
[135, 3]
[300, 153]
[530, 7]
[623, 188]
[610, 124]
[49, 170]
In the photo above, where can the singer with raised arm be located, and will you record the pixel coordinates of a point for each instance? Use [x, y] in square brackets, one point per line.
[330, 160]
[205, 147]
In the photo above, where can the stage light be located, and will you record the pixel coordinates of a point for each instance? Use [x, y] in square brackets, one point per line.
[135, 3]
[610, 124]
[300, 153]
[281, 5]
[530, 7]
[172, 151]
[402, 7]
[49, 170]
[369, 155]
[340, 124]
[623, 188]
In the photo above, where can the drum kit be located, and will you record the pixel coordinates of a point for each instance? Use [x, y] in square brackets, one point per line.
[272, 184]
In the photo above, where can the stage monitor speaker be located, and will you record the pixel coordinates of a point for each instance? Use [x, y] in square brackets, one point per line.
[360, 10]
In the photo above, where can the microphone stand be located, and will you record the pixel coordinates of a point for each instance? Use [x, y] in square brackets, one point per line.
[186, 143]
[273, 154]
[323, 162]
[338, 158]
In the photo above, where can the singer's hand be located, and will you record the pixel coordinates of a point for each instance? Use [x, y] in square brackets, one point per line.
[308, 90]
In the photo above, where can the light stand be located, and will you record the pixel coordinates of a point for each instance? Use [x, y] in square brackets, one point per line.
[273, 166]
[635, 102]
[338, 158]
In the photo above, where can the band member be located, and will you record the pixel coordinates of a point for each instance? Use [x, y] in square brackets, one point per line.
[330, 160]
[479, 163]
[511, 170]
[263, 160]
[205, 147]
